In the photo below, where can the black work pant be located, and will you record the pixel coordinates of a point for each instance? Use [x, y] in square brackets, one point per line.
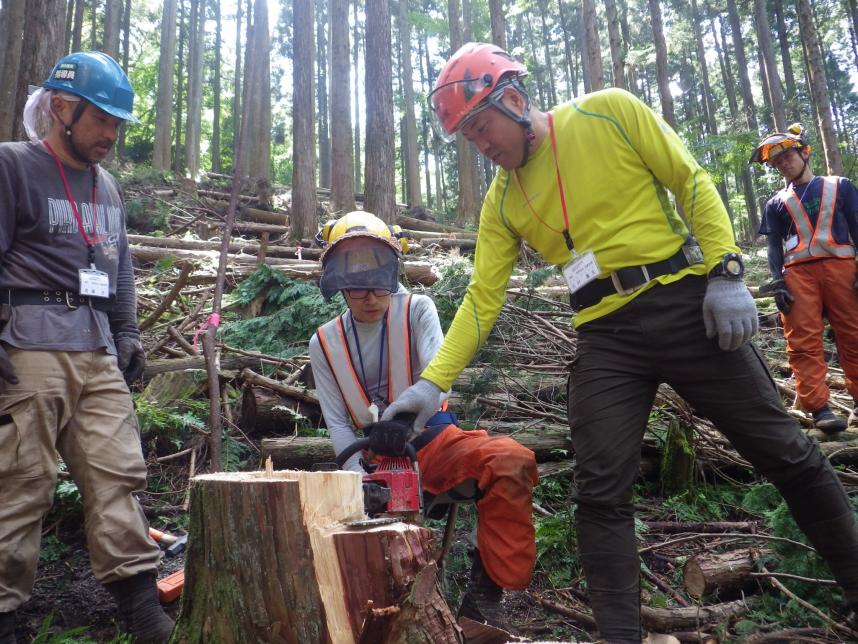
[621, 360]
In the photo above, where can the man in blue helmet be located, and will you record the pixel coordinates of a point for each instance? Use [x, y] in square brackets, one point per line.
[70, 345]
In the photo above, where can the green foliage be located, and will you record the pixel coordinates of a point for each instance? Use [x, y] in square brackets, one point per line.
[448, 291]
[44, 635]
[171, 422]
[291, 313]
[234, 454]
[52, 549]
[555, 535]
[703, 503]
[67, 498]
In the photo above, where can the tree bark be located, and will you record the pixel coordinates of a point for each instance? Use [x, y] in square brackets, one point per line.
[713, 572]
[498, 21]
[786, 43]
[322, 109]
[14, 14]
[379, 170]
[661, 64]
[819, 87]
[342, 161]
[264, 412]
[409, 145]
[164, 101]
[216, 75]
[304, 218]
[592, 49]
[112, 22]
[196, 45]
[272, 559]
[259, 113]
[357, 97]
[764, 38]
[617, 51]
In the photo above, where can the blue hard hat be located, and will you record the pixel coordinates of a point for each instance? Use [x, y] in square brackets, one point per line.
[96, 77]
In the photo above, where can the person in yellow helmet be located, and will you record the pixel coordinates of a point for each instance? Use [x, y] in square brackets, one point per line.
[365, 358]
[812, 227]
[660, 298]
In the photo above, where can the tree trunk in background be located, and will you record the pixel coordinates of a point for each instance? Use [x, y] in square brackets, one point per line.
[12, 26]
[342, 162]
[178, 152]
[742, 67]
[112, 22]
[357, 99]
[196, 42]
[379, 171]
[79, 6]
[568, 56]
[661, 64]
[164, 100]
[546, 48]
[43, 32]
[259, 128]
[764, 38]
[304, 219]
[216, 89]
[322, 63]
[593, 52]
[125, 53]
[498, 20]
[412, 174]
[819, 87]
[617, 55]
[236, 84]
[709, 102]
[67, 32]
[786, 43]
[852, 11]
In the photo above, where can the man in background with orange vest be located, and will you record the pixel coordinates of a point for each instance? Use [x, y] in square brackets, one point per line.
[812, 226]
[363, 359]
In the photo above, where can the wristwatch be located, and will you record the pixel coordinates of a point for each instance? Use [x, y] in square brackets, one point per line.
[731, 266]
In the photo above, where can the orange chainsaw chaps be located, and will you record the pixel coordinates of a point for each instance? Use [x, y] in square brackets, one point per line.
[505, 472]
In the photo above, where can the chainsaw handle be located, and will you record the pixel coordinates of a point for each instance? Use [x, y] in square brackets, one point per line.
[362, 444]
[351, 450]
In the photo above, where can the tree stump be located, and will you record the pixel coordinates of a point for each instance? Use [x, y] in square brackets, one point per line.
[271, 558]
[712, 572]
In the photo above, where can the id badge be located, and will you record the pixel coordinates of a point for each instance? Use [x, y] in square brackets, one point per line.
[94, 283]
[792, 242]
[581, 270]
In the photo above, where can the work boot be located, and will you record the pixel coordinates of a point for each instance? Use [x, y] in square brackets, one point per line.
[482, 600]
[139, 609]
[827, 422]
[7, 628]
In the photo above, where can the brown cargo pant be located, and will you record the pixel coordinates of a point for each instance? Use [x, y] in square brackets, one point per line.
[78, 405]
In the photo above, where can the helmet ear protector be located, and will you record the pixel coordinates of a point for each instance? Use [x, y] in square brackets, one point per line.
[778, 142]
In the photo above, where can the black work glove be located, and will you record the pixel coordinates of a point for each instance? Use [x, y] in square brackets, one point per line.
[779, 290]
[389, 437]
[7, 371]
[130, 356]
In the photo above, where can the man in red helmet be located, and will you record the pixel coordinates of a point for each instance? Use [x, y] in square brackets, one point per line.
[365, 358]
[660, 298]
[70, 345]
[812, 226]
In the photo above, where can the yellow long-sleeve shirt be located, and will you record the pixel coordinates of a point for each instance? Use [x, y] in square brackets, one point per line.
[617, 160]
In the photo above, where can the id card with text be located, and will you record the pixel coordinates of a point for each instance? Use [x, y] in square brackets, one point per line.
[581, 270]
[94, 283]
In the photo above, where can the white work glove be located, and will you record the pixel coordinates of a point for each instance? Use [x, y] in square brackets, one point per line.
[729, 311]
[423, 398]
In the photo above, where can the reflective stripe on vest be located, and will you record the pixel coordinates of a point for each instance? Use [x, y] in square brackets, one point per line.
[819, 242]
[332, 338]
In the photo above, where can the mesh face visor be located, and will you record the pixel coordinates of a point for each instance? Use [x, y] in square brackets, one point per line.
[773, 146]
[359, 263]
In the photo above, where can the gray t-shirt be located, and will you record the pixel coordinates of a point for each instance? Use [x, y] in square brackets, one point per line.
[41, 247]
[426, 337]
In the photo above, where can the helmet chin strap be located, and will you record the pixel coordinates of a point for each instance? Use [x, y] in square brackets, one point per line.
[529, 138]
[68, 142]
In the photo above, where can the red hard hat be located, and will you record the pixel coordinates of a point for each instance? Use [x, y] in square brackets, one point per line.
[468, 78]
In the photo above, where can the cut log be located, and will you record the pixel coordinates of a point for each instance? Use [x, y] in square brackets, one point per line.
[263, 411]
[412, 223]
[713, 572]
[272, 559]
[227, 363]
[667, 620]
[235, 246]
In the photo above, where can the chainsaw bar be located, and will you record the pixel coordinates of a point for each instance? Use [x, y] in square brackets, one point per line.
[371, 523]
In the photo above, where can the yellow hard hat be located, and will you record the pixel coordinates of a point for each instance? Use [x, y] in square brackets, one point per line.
[360, 223]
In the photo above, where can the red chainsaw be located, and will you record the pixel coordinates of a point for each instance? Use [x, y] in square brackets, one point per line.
[391, 485]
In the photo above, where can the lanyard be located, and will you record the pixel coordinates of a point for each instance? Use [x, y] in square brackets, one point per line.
[565, 232]
[377, 396]
[90, 242]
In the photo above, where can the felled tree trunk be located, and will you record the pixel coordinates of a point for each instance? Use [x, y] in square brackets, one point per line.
[272, 559]
[719, 571]
[263, 411]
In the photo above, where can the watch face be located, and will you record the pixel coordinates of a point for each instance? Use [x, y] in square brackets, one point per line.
[733, 267]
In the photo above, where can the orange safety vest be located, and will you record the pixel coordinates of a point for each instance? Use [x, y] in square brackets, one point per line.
[332, 338]
[814, 243]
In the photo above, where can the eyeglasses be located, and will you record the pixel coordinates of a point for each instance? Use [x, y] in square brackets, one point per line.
[363, 293]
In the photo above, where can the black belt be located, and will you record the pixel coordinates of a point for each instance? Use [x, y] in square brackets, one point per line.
[22, 296]
[625, 281]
